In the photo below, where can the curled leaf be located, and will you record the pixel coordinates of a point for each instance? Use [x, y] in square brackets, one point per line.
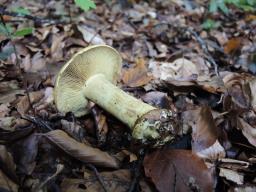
[80, 151]
[137, 76]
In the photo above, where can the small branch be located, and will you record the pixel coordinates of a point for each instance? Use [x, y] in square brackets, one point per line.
[60, 167]
[205, 49]
[38, 122]
[97, 174]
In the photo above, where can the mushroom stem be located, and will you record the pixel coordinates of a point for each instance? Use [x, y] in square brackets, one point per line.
[111, 98]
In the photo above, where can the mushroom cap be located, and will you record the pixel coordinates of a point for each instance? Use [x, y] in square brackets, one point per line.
[71, 79]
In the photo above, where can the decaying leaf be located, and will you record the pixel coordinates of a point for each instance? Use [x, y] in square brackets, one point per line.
[245, 188]
[101, 125]
[211, 84]
[90, 35]
[178, 170]
[73, 129]
[157, 98]
[38, 63]
[118, 181]
[232, 45]
[137, 76]
[7, 123]
[252, 84]
[180, 69]
[248, 131]
[80, 151]
[25, 152]
[4, 110]
[23, 105]
[238, 89]
[231, 175]
[205, 136]
[7, 164]
[57, 47]
[124, 154]
[6, 184]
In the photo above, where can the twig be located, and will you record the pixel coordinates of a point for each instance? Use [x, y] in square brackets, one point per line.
[205, 49]
[37, 20]
[60, 167]
[97, 174]
[39, 122]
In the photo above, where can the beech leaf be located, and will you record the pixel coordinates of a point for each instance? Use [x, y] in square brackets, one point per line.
[81, 151]
[178, 170]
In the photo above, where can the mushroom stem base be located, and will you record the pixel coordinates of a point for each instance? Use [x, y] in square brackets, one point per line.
[111, 98]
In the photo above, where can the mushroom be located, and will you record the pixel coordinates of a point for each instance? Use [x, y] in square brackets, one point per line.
[92, 75]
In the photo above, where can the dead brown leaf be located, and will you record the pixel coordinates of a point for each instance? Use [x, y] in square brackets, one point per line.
[73, 129]
[57, 47]
[248, 131]
[232, 45]
[4, 110]
[7, 123]
[157, 98]
[101, 125]
[7, 164]
[205, 135]
[180, 69]
[124, 154]
[118, 181]
[231, 175]
[238, 97]
[38, 63]
[23, 105]
[137, 76]
[80, 151]
[178, 170]
[252, 84]
[6, 184]
[25, 151]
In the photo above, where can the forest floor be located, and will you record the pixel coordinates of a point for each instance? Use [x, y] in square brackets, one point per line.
[196, 58]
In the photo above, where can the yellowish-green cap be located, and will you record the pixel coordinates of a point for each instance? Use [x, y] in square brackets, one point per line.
[68, 94]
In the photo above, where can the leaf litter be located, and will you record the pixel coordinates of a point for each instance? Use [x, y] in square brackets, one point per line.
[170, 60]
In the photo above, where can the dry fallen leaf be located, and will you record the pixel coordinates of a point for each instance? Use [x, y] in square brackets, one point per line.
[158, 99]
[178, 170]
[4, 110]
[137, 76]
[124, 154]
[239, 91]
[90, 35]
[26, 151]
[205, 137]
[118, 181]
[232, 45]
[252, 85]
[7, 123]
[6, 184]
[101, 125]
[38, 63]
[7, 164]
[80, 151]
[23, 105]
[231, 175]
[180, 69]
[57, 47]
[248, 131]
